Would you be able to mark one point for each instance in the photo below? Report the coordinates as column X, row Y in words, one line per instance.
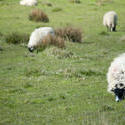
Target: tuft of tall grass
column 59, row 53
column 1, row 34
column 122, row 38
column 103, row 33
column 1, row 49
column 38, row 16
column 47, row 4
column 16, row 38
column 57, row 9
column 103, row 2
column 53, row 40
column 75, row 1
column 70, row 33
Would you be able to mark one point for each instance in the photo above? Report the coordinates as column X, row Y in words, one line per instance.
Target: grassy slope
column 51, row 89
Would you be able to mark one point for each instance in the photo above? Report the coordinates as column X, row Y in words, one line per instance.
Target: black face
column 31, row 49
column 119, row 93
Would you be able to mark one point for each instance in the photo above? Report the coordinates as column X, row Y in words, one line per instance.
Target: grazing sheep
column 116, row 77
column 28, row 2
column 110, row 20
column 38, row 35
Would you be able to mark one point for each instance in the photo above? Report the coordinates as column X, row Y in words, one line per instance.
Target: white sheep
column 110, row 20
column 38, row 35
column 116, row 77
column 28, row 2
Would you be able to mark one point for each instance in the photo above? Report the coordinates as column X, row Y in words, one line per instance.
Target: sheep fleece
column 116, row 73
column 110, row 19
column 28, row 2
column 38, row 35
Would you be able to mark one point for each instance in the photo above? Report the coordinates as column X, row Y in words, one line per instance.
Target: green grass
column 60, row 86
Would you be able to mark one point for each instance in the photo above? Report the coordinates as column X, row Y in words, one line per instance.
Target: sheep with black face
column 37, row 37
column 116, row 77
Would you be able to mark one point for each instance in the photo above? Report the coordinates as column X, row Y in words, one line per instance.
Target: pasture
column 60, row 86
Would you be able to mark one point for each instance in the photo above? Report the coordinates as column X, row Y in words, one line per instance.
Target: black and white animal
column 38, row 35
column 116, row 77
column 110, row 20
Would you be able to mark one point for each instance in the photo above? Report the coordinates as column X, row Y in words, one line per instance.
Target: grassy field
column 60, row 86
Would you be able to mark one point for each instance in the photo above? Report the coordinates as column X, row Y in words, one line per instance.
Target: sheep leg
column 114, row 28
column 117, row 99
column 37, row 51
column 111, row 28
column 107, row 28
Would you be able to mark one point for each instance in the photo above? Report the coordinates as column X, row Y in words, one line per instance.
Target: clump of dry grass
column 122, row 38
column 1, row 49
column 75, row 1
column 57, row 9
column 70, row 33
column 59, row 53
column 61, row 32
column 102, row 2
column 47, row 4
column 16, row 38
column 38, row 15
column 52, row 40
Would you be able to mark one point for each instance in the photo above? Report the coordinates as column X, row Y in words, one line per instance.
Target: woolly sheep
column 110, row 20
column 28, row 2
column 38, row 35
column 116, row 77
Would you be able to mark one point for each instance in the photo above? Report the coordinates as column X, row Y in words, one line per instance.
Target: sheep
column 116, row 77
column 28, row 2
column 38, row 35
column 110, row 20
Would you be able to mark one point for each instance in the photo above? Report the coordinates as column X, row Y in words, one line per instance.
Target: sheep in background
column 38, row 35
column 116, row 77
column 110, row 20
column 28, row 2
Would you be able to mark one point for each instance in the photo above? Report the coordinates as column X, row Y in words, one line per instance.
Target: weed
column 47, row 4
column 28, row 85
column 53, row 40
column 103, row 33
column 91, row 73
column 103, row 2
column 1, row 34
column 32, row 72
column 51, row 99
column 75, row 1
column 57, row 9
column 17, row 38
column 1, row 49
column 122, row 38
column 70, row 33
column 59, row 53
column 17, row 90
column 38, row 16
column 106, row 108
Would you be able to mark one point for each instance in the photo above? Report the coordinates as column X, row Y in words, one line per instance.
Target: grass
column 60, row 86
